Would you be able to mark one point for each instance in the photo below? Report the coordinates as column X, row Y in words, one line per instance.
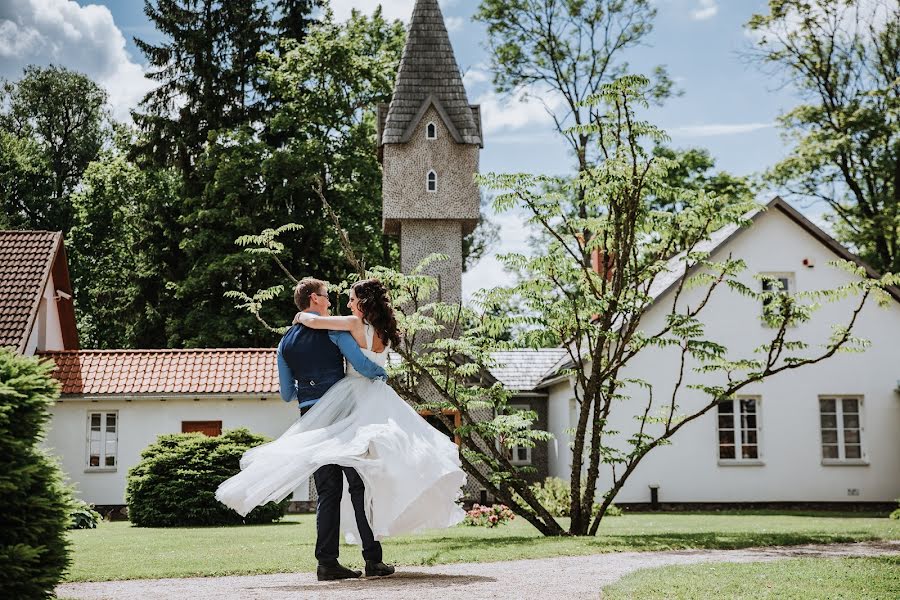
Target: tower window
column 431, row 131
column 432, row 181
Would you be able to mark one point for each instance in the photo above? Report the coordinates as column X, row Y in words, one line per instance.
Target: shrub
column 83, row 516
column 554, row 494
column 175, row 482
column 488, row 516
column 896, row 513
column 34, row 551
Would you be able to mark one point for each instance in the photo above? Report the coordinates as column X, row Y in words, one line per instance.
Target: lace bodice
column 379, row 358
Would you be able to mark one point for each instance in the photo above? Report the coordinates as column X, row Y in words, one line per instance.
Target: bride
column 411, row 471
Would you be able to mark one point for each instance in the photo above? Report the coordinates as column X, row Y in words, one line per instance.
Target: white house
column 829, row 432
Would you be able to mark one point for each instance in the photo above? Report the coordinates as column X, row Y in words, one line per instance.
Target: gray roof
column 524, row 369
column 429, row 75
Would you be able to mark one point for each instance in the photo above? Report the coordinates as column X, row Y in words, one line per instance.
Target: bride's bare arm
column 312, row 321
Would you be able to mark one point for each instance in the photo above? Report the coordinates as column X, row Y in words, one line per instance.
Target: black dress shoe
column 335, row 572
column 378, row 569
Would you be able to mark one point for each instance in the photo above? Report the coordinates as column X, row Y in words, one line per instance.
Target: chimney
column 603, row 263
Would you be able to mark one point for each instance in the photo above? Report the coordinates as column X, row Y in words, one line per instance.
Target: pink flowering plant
column 488, row 516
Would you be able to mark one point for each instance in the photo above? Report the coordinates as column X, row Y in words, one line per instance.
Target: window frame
column 432, row 175
column 513, row 460
column 104, row 441
column 431, row 131
column 790, row 288
column 842, row 459
column 738, row 459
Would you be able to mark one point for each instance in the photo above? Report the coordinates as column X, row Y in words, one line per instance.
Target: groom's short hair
column 306, row 288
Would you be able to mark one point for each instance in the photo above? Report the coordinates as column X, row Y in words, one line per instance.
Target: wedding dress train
column 410, row 469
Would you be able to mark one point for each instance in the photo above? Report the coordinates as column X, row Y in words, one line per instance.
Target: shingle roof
column 189, row 372
column 524, row 369
column 26, row 258
column 429, row 74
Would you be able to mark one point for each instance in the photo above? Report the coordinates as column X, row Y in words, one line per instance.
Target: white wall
column 792, row 469
column 140, row 421
column 46, row 334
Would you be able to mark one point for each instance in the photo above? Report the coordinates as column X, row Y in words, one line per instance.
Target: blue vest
column 315, row 360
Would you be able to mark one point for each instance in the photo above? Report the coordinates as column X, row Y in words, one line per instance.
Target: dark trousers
column 330, row 488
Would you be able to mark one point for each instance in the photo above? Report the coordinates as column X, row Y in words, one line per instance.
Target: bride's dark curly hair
column 375, row 304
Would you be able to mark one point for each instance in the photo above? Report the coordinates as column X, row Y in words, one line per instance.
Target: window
column 431, row 131
column 839, row 418
column 518, row 455
column 739, row 430
column 432, row 181
column 210, row 428
column 103, row 440
column 782, row 283
column 438, row 423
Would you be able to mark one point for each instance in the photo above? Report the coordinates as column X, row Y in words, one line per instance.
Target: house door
column 210, row 428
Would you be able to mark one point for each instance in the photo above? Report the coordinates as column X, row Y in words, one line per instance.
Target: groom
column 310, row 361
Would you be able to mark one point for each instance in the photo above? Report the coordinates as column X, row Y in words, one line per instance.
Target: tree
column 53, row 123
column 843, row 58
column 321, row 130
column 448, row 349
column 118, row 251
column 694, row 169
column 208, row 78
column 557, row 49
column 34, row 549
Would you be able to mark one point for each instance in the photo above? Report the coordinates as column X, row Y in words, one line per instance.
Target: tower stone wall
column 406, row 167
column 429, row 92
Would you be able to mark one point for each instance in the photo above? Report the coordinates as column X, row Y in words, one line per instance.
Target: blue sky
column 728, row 106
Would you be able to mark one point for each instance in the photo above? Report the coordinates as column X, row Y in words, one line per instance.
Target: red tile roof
column 164, row 372
column 26, row 258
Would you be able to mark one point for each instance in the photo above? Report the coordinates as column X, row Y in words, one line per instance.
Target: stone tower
column 429, row 140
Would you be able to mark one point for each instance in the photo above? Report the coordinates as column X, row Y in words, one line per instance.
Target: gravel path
column 565, row 577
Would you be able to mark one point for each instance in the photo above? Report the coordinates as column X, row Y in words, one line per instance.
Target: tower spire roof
column 429, row 75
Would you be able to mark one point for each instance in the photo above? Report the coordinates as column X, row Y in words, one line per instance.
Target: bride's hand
column 300, row 318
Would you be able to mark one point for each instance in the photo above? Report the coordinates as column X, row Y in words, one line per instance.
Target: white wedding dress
column 410, row 469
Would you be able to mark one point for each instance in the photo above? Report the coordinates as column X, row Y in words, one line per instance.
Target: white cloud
column 516, row 111
column 855, row 17
column 713, row 130
column 475, row 75
column 82, row 38
column 706, row 10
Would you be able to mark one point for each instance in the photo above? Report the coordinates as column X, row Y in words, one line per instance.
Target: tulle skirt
column 410, row 469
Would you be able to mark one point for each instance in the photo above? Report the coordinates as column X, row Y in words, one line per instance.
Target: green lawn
column 120, row 551
column 873, row 578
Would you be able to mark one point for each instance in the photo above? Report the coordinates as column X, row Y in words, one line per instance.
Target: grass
column 120, row 551
column 869, row 578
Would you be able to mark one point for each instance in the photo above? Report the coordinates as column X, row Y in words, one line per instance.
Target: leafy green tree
column 320, row 131
column 34, row 548
column 447, row 349
column 25, row 184
column 561, row 50
column 53, row 123
column 208, row 78
column 843, row 58
column 694, row 169
column 118, row 251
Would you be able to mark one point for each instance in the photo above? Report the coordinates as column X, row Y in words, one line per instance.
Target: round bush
column 34, row 551
column 554, row 494
column 175, row 482
column 83, row 516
